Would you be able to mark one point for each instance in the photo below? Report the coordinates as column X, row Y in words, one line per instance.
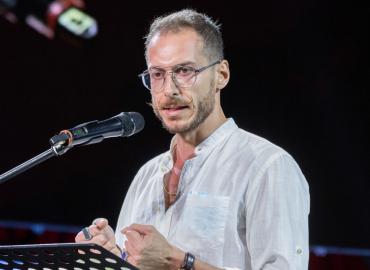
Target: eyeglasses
column 182, row 76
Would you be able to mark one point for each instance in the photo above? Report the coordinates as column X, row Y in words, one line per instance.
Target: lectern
column 67, row 256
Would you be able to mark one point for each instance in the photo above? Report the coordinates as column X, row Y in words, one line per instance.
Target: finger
column 142, row 229
column 91, row 234
column 134, row 238
column 94, row 230
column 109, row 246
column 83, row 236
column 80, row 237
column 101, row 223
column 100, row 239
column 131, row 250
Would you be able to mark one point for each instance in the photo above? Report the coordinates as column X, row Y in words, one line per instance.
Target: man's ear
column 223, row 75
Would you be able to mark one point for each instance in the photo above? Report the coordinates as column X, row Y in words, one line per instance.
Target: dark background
column 299, row 77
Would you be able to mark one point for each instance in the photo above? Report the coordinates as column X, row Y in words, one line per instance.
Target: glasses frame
column 173, row 77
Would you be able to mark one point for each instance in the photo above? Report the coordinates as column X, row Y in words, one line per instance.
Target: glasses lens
column 184, row 76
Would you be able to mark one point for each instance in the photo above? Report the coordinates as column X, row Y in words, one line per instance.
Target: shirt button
column 299, row 251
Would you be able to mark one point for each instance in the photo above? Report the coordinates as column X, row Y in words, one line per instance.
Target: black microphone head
column 133, row 122
column 138, row 120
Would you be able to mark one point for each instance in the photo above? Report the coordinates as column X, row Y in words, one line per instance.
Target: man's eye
column 156, row 74
column 184, row 71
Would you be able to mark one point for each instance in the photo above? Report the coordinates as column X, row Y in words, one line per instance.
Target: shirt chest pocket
column 201, row 228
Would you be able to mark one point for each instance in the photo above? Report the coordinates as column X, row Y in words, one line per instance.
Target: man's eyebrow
column 186, row 63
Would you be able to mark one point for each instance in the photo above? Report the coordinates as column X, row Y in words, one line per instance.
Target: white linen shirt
column 242, row 203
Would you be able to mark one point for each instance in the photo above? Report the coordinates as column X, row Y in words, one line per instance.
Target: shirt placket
column 163, row 220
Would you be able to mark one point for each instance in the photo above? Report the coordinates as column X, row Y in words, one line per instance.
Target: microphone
column 124, row 124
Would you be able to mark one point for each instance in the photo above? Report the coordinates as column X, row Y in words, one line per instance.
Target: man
column 220, row 198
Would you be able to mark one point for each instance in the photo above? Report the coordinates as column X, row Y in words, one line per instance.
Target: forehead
column 172, row 48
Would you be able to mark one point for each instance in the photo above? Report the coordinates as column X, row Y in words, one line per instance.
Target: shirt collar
column 216, row 137
column 211, row 141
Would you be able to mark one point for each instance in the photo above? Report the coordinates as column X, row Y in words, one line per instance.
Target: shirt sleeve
column 277, row 208
column 125, row 217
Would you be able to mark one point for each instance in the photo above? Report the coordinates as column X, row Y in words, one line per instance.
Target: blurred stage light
column 51, row 18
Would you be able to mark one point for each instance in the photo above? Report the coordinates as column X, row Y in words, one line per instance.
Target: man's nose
column 169, row 86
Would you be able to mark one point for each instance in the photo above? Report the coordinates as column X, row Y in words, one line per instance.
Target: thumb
column 100, row 223
column 142, row 229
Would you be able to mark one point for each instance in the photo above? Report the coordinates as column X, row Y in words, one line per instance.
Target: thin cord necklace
column 169, row 193
column 177, row 172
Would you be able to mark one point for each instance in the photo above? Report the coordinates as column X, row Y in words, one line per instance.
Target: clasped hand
column 101, row 234
column 146, row 248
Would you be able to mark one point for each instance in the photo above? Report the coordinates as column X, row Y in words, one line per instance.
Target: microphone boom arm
column 57, row 149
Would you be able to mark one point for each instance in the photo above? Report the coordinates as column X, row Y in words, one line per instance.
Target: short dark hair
column 202, row 24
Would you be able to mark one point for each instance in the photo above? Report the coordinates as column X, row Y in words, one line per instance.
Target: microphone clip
column 60, row 143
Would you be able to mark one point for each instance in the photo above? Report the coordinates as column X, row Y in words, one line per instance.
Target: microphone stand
column 59, row 145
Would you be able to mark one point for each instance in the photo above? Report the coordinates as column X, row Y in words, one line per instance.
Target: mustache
column 175, row 101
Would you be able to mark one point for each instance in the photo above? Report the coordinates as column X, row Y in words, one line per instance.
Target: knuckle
column 92, row 229
column 97, row 240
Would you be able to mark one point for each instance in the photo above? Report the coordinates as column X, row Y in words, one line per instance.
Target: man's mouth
column 174, row 108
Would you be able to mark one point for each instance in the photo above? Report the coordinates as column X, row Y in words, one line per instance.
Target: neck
column 186, row 142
